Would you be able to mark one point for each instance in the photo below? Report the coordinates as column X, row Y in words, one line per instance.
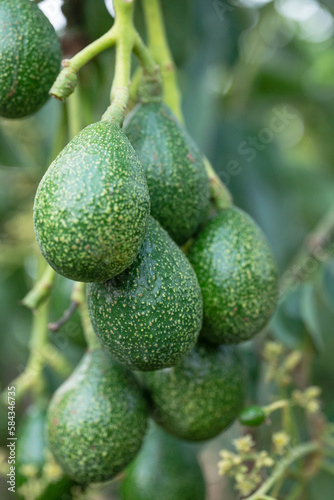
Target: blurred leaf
column 310, row 315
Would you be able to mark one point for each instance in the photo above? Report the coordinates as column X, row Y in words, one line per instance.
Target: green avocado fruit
column 92, row 205
column 149, row 317
column 97, row 419
column 201, row 396
column 174, row 167
column 30, row 56
column 238, row 277
column 165, row 469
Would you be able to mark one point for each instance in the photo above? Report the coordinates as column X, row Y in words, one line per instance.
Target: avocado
column 201, row 396
column 165, row 469
column 92, row 205
column 174, row 167
column 97, row 419
column 149, row 316
column 30, row 56
column 238, row 277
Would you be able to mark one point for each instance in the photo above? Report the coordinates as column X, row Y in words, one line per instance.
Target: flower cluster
column 308, row 399
column 247, row 466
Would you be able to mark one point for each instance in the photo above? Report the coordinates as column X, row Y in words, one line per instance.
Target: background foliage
column 257, row 85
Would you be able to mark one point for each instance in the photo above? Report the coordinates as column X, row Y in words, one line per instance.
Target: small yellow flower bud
column 244, row 444
column 280, row 441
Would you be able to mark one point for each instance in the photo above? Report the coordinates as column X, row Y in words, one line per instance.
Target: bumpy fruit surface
column 201, row 396
column 30, row 56
column 92, row 205
column 165, row 469
column 238, row 277
column 96, row 419
column 174, row 167
column 149, row 317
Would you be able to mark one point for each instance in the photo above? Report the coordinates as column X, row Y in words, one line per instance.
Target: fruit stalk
column 295, row 454
column 79, row 297
column 127, row 41
column 67, row 78
column 159, row 48
column 41, row 291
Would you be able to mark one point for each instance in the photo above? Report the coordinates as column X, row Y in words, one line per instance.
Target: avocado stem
column 79, row 297
column 159, row 48
column 220, row 194
column 41, row 352
column 295, row 454
column 127, row 41
column 41, row 290
column 67, row 80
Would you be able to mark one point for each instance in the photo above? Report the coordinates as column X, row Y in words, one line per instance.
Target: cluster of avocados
column 111, row 211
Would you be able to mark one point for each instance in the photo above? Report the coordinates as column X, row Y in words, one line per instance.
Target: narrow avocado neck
column 150, row 88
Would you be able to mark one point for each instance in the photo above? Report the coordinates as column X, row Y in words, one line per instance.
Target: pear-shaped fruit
column 96, row 419
column 238, row 277
column 30, row 56
column 165, row 469
column 92, row 205
column 174, row 167
column 149, row 317
column 202, row 395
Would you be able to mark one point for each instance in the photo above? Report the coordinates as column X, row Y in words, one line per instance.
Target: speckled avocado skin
column 92, row 205
column 30, row 56
column 201, row 396
column 174, row 167
column 149, row 317
column 97, row 419
column 165, row 469
column 238, row 277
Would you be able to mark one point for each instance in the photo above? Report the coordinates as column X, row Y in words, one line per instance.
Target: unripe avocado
column 97, row 419
column 92, row 205
column 149, row 317
column 238, row 277
column 30, row 56
column 174, row 167
column 201, row 396
column 165, row 469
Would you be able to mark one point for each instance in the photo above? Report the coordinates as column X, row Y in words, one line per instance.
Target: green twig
column 41, row 291
column 67, row 78
column 220, row 194
column 295, row 454
column 30, row 378
column 127, row 41
column 79, row 296
column 159, row 48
